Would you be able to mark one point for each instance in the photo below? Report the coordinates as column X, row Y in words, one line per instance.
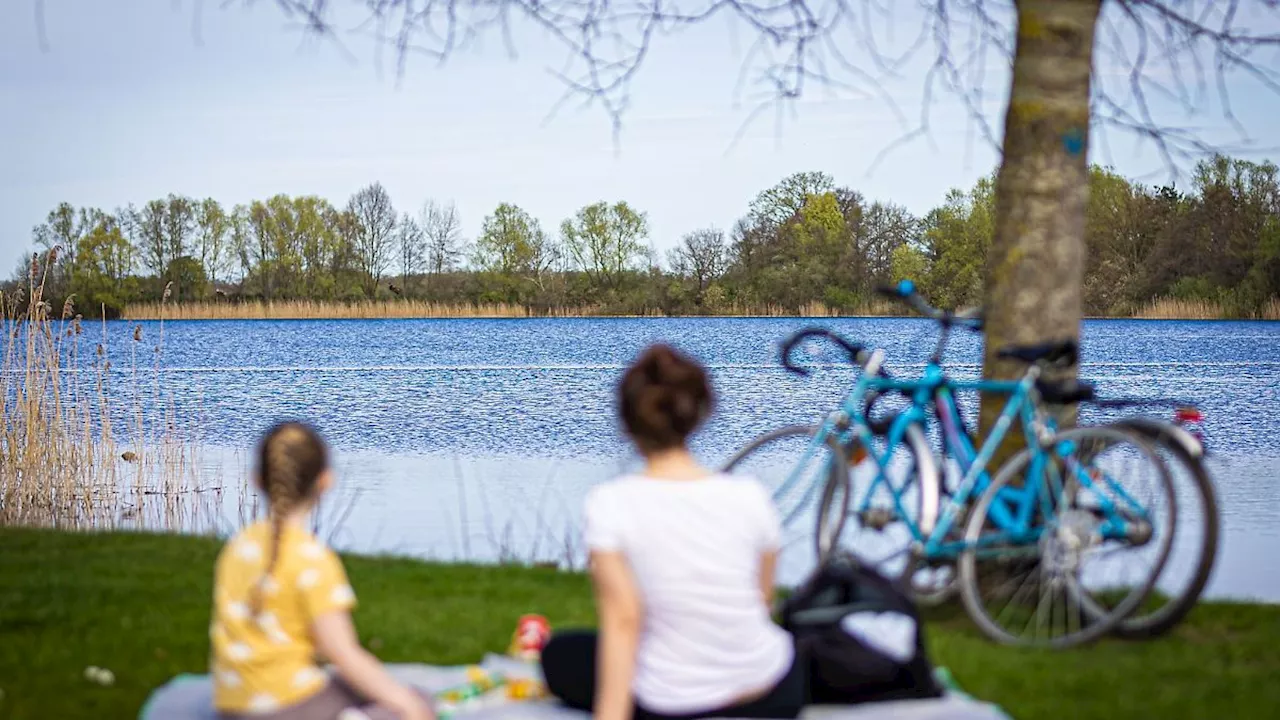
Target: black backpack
column 860, row 636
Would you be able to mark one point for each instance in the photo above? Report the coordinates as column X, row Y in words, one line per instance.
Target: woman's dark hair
column 663, row 397
column 291, row 458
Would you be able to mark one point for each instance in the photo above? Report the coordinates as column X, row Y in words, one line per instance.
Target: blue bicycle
column 1186, row 571
column 1026, row 549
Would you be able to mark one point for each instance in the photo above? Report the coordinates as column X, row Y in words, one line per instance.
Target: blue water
column 547, row 386
column 476, row 439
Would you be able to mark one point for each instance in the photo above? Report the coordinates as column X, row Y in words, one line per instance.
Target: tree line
column 805, row 240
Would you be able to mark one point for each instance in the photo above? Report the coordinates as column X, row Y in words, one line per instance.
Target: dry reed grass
column 327, row 310
column 75, row 450
column 875, row 308
column 421, row 309
column 1168, row 308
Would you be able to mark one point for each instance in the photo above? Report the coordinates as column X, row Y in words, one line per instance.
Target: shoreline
column 128, row 317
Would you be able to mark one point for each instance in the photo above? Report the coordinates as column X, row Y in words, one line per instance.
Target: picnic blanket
column 190, row 697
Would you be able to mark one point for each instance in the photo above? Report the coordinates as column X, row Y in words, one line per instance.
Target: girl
column 682, row 560
column 281, row 597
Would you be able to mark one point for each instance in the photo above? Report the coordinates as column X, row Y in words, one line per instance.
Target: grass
column 408, row 308
column 139, row 605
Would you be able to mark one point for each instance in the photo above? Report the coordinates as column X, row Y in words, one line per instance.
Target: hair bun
column 664, row 396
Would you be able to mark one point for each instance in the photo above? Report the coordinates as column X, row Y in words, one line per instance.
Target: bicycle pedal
column 877, row 518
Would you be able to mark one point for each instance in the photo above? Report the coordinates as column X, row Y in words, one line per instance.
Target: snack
column 525, row 689
column 532, row 634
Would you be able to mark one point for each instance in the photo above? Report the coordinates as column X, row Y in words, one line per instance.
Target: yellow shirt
column 267, row 662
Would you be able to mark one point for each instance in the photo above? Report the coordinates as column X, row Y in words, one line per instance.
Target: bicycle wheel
column 1086, row 509
column 796, row 472
column 880, row 534
column 1195, row 542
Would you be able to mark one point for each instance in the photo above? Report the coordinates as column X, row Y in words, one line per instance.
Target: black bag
column 860, row 636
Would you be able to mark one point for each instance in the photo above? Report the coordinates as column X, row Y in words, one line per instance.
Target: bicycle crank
column 877, row 518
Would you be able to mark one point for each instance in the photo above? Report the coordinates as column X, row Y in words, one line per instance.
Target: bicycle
column 1021, row 516
column 1183, row 453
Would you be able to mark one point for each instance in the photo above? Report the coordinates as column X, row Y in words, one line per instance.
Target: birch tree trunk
column 1035, row 268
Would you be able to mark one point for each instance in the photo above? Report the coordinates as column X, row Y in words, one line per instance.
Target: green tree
column 102, row 274
column 179, row 222
column 1120, row 233
column 606, row 241
column 910, row 263
column 261, row 248
column 212, row 228
column 957, row 239
column 188, row 280
column 512, row 243
column 881, row 229
column 778, row 205
column 148, row 226
column 63, row 228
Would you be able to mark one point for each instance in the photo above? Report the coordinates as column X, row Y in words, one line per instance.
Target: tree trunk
column 1035, row 268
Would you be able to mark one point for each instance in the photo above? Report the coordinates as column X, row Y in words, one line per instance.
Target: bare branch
column 1170, row 51
column 42, row 33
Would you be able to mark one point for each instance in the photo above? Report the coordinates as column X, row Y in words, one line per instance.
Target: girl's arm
column 768, row 566
column 618, row 602
column 335, row 637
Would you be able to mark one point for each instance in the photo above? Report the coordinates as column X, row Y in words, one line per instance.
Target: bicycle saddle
column 1064, row 393
column 1065, row 352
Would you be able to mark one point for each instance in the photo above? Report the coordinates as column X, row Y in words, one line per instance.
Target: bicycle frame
column 1013, row 509
column 1013, row 512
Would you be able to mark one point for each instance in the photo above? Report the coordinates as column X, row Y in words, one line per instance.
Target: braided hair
column 291, row 458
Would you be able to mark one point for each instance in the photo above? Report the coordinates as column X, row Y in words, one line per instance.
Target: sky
column 123, row 102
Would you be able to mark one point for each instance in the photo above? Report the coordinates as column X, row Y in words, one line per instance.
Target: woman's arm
column 335, row 637
column 618, row 602
column 768, row 567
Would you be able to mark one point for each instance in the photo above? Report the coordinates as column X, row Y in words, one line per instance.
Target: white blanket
column 190, row 697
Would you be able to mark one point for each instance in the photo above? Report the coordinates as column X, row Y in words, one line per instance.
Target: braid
column 291, row 459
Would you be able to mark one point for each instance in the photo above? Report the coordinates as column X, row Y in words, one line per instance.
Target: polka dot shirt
column 267, row 661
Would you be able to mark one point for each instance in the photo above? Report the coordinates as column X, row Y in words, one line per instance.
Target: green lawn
column 139, row 605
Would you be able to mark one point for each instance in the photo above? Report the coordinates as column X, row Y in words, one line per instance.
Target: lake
column 476, row 439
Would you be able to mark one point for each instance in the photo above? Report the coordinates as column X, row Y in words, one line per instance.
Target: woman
column 281, row 597
column 682, row 560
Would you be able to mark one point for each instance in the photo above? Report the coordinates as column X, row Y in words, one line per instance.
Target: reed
column 325, row 310
column 875, row 308
column 421, row 309
column 1168, row 308
column 78, row 449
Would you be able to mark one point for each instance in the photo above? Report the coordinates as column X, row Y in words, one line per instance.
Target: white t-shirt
column 694, row 548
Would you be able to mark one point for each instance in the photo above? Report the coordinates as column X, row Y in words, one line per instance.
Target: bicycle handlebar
column 857, row 353
column 906, row 293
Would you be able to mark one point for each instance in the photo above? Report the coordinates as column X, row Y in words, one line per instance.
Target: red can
column 532, row 634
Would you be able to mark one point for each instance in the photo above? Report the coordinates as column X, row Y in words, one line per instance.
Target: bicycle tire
column 928, row 507
column 924, row 473
column 1186, row 452
column 1099, row 622
column 825, row 533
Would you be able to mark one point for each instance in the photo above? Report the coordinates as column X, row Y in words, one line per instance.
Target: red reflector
column 1188, row 415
